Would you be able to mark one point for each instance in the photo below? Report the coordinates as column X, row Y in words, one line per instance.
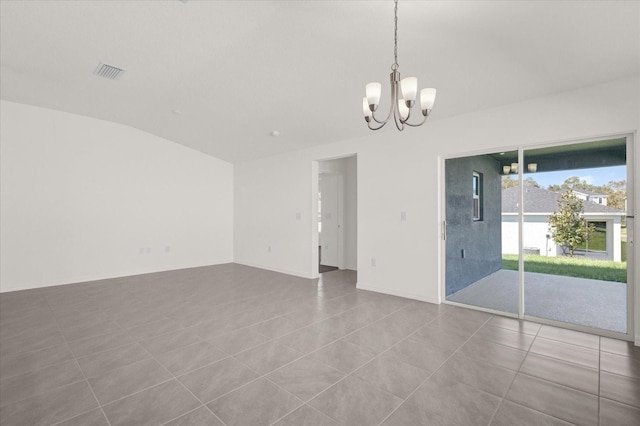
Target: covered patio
column 593, row 303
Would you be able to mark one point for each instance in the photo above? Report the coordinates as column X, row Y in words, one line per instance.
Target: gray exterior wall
column 473, row 247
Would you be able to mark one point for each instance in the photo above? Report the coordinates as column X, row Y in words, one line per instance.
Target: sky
column 596, row 177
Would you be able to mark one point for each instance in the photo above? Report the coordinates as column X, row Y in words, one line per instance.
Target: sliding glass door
column 542, row 233
column 574, row 233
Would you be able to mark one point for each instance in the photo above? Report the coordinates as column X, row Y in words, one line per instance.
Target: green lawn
column 569, row 267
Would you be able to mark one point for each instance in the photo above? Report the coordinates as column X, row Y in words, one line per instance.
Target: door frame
column 633, row 265
column 315, row 174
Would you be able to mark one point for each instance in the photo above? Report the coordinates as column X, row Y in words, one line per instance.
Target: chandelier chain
column 395, row 65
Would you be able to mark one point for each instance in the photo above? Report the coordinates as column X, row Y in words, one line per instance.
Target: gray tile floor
column 234, row 345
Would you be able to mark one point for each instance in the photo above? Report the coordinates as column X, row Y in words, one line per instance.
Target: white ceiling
column 239, row 69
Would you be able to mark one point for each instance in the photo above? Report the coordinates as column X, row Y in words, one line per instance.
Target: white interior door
column 329, row 210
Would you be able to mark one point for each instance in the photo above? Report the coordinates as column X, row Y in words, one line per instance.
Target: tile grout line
column 549, row 381
column 44, row 392
column 92, row 392
column 305, row 402
column 174, row 377
column 42, row 367
column 75, row 359
column 152, row 356
column 504, row 397
column 437, row 369
column 78, row 415
column 352, row 373
column 284, row 315
column 189, row 412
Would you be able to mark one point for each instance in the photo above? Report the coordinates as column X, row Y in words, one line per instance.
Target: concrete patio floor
column 593, row 303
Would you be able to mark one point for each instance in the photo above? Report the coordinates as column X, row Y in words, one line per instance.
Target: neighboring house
column 539, row 203
column 592, row 197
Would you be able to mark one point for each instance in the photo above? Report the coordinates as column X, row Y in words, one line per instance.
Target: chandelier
column 403, row 100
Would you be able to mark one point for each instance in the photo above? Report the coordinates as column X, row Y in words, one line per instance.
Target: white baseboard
column 86, row 278
column 395, row 292
column 280, row 270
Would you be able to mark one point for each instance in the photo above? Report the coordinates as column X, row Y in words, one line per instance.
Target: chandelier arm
column 398, row 119
column 376, row 128
column 408, row 117
column 394, row 77
column 373, row 115
column 416, row 124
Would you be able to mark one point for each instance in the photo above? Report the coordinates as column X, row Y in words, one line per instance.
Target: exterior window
column 477, row 196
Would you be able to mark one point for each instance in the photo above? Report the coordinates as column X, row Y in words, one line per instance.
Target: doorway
column 330, row 221
column 542, row 234
column 337, row 214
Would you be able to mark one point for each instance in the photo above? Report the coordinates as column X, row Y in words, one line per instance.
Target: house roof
column 540, row 200
column 585, row 192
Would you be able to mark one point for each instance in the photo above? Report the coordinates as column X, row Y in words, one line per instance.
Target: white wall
column 400, row 172
column 536, row 229
column 80, row 197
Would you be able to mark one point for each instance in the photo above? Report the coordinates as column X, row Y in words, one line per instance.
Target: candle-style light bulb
column 366, row 110
column 427, row 98
column 403, row 109
column 373, row 91
column 409, row 88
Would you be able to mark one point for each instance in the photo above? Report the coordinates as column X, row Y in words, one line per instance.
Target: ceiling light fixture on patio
column 400, row 106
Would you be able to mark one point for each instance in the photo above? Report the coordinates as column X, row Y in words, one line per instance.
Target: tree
column 616, row 191
column 568, row 228
column 509, row 182
column 572, row 182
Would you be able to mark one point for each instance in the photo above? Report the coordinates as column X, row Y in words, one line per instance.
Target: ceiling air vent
column 108, row 71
